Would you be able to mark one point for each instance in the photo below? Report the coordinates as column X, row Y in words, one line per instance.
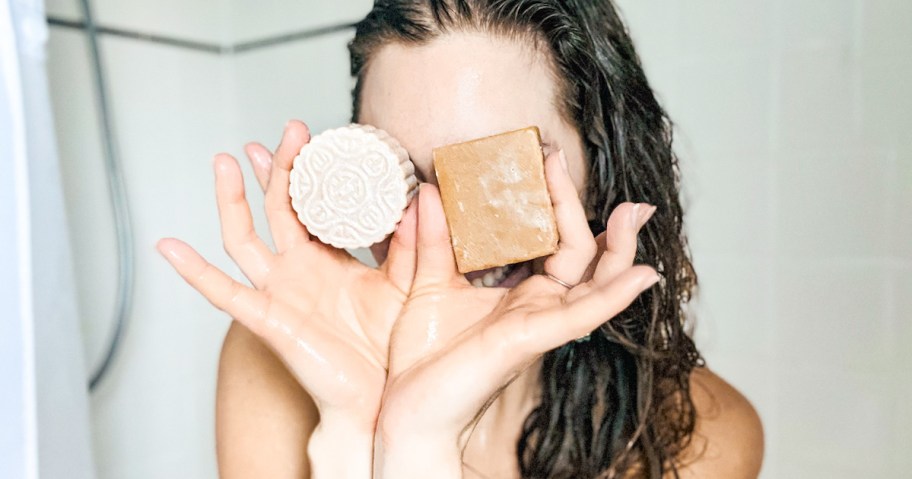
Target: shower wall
column 792, row 120
column 173, row 109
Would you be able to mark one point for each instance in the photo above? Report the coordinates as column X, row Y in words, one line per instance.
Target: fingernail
column 264, row 161
column 166, row 249
column 220, row 166
column 645, row 214
column 652, row 280
column 635, row 216
column 563, row 160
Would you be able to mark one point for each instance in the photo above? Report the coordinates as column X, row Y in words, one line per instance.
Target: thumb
column 436, row 262
column 400, row 258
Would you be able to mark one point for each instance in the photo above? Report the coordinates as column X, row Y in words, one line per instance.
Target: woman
column 410, row 371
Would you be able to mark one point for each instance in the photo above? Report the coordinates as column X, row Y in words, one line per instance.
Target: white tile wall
column 727, row 97
column 885, row 104
column 173, row 109
column 834, row 316
column 839, row 423
column 793, row 120
column 833, row 203
column 900, row 204
column 817, row 103
column 88, row 209
column 730, row 204
column 735, row 320
column 657, row 28
column 723, row 27
column 256, row 19
column 817, row 22
column 885, row 27
column 198, row 20
column 68, row 9
column 222, row 22
column 153, row 414
column 304, row 80
column 902, row 434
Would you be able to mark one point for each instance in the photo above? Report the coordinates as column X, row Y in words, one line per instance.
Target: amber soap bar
column 496, row 200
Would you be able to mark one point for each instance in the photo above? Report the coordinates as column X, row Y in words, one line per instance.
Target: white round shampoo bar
column 350, row 185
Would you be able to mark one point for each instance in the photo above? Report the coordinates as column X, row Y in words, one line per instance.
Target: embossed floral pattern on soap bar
column 350, row 185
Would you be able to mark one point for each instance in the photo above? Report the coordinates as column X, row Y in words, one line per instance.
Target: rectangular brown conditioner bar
column 496, row 200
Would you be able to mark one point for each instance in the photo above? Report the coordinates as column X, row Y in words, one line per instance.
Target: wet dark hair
column 619, row 403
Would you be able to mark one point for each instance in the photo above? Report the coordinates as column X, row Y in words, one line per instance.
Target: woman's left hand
column 455, row 346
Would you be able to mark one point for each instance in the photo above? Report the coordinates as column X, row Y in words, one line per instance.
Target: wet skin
column 366, row 357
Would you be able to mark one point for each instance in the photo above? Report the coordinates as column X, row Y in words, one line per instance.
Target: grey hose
column 118, row 194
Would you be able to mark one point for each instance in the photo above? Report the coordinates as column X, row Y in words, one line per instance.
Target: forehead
column 458, row 87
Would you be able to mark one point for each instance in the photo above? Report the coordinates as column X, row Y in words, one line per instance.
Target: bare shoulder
column 263, row 416
column 728, row 437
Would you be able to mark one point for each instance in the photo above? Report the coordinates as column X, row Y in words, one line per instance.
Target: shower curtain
column 44, row 408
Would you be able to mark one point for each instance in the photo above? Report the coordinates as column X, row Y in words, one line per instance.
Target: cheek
column 379, row 250
column 425, row 171
column 579, row 168
column 578, row 175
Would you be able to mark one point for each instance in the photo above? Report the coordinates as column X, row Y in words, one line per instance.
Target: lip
column 520, row 272
column 517, row 273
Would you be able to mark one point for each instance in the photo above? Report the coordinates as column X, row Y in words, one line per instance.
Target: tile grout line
column 207, row 47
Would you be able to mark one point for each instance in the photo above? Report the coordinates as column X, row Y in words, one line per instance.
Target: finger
column 436, row 263
column 261, row 160
column 283, row 221
column 238, row 234
column 241, row 302
column 548, row 329
column 400, row 261
column 600, row 242
column 624, row 224
column 576, row 246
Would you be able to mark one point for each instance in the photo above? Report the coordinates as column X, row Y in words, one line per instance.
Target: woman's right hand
column 325, row 314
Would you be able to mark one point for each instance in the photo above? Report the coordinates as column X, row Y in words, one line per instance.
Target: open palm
column 455, row 346
column 325, row 314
